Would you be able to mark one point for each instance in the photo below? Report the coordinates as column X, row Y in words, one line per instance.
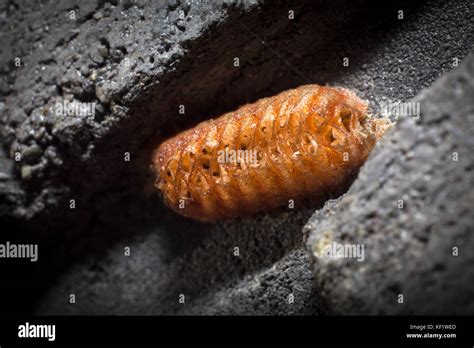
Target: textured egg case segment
column 299, row 143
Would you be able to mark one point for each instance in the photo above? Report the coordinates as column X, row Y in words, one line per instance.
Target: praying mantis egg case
column 297, row 144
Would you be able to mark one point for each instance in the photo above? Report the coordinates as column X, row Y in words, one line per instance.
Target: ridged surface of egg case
column 300, row 143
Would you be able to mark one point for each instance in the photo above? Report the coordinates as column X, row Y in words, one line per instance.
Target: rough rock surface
column 412, row 207
column 139, row 61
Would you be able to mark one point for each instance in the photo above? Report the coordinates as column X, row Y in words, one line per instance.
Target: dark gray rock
column 139, row 61
column 286, row 288
column 412, row 209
